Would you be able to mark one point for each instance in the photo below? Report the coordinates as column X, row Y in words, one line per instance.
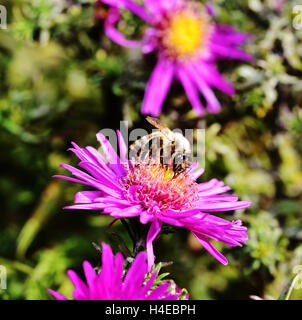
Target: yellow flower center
column 186, row 34
column 158, row 188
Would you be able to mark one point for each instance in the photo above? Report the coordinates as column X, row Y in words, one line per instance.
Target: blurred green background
column 62, row 80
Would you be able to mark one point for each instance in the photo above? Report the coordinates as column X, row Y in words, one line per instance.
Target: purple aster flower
column 111, row 284
column 156, row 195
column 188, row 44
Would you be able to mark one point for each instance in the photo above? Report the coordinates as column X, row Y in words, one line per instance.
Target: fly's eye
column 178, row 158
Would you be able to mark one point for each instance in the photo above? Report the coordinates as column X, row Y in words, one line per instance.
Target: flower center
column 157, row 188
column 186, row 33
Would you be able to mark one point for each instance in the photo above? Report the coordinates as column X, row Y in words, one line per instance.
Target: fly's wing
column 146, row 147
column 161, row 127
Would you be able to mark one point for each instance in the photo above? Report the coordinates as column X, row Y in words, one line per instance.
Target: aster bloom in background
column 188, row 44
column 280, row 4
column 111, row 284
column 156, row 195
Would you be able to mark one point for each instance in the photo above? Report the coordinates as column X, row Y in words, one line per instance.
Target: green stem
column 125, row 224
column 292, row 286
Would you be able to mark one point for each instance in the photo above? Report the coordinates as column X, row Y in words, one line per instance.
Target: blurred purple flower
column 188, row 45
column 99, row 11
column 155, row 194
column 280, row 4
column 110, row 283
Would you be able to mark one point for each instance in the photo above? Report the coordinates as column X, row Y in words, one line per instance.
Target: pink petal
column 149, row 284
column 172, row 221
column 136, row 274
column 86, row 155
column 158, row 87
column 112, row 33
column 214, row 191
column 157, row 7
column 210, row 8
column 211, row 249
column 207, row 206
column 71, row 179
column 152, row 234
column 80, row 286
column 214, row 78
column 102, row 175
column 110, row 153
column 56, row 295
column 133, row 211
column 191, row 91
column 122, row 146
column 106, row 276
column 91, row 181
column 132, row 6
column 89, row 274
column 213, row 104
column 86, row 206
column 118, row 272
column 160, row 291
column 230, row 52
column 146, row 217
column 179, row 214
column 213, row 183
column 87, row 196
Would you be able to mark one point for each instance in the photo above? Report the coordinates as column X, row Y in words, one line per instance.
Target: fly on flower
column 188, row 44
column 152, row 192
column 164, row 147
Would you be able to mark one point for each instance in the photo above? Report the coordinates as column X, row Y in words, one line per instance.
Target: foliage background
column 62, row 80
